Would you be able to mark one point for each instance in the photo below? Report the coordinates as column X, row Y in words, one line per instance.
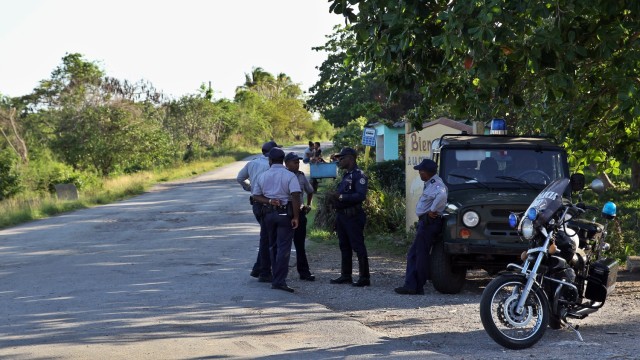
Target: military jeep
column 488, row 177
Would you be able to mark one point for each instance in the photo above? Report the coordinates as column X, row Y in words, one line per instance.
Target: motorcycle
column 564, row 275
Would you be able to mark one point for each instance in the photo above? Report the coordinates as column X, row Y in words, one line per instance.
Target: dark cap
column 276, row 153
column 266, row 147
column 292, row 156
column 427, row 165
column 347, row 151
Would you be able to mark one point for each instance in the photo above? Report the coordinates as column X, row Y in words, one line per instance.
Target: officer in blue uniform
column 292, row 162
column 350, row 218
column 429, row 209
column 251, row 171
column 274, row 188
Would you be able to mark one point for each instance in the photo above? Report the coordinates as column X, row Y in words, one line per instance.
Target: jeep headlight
column 470, row 219
column 527, row 229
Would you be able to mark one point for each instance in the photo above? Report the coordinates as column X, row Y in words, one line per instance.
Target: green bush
column 40, row 176
column 385, row 204
column 390, row 175
column 9, row 179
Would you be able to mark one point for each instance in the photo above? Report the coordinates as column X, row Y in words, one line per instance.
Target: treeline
column 80, row 125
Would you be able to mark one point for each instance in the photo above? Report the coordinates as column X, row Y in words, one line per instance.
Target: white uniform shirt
column 433, row 198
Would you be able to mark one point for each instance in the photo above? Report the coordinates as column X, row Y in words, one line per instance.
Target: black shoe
column 343, row 279
column 265, row 279
column 406, row 291
column 309, row 277
column 362, row 282
column 282, row 287
column 255, row 273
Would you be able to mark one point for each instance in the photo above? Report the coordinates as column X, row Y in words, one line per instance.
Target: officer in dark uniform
column 429, row 210
column 251, row 171
column 350, row 218
column 292, row 162
column 274, row 188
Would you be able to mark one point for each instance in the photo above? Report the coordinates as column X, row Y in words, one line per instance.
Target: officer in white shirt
column 429, row 209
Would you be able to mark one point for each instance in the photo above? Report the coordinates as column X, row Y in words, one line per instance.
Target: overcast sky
column 176, row 45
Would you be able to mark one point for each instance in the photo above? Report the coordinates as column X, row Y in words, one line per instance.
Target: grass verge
column 26, row 208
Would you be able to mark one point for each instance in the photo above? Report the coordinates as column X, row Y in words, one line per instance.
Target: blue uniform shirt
column 251, row 171
column 276, row 183
column 433, row 198
column 305, row 186
column 353, row 188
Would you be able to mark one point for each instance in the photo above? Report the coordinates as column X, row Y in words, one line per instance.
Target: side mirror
column 597, row 185
column 577, row 182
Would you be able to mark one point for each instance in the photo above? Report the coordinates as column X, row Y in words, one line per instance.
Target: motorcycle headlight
column 470, row 219
column 527, row 229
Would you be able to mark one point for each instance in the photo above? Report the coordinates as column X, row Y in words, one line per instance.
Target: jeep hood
column 473, row 197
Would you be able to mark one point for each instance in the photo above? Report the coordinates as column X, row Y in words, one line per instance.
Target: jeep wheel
column 445, row 278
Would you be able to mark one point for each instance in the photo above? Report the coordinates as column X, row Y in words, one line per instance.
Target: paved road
column 163, row 276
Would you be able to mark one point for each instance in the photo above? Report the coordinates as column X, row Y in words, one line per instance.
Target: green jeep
column 488, row 177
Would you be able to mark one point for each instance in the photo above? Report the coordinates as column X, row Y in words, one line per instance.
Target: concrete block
column 66, row 191
column 633, row 263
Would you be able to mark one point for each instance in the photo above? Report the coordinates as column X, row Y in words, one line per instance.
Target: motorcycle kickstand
column 575, row 329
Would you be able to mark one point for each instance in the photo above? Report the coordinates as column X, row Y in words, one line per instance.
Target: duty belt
column 282, row 209
column 349, row 210
column 426, row 217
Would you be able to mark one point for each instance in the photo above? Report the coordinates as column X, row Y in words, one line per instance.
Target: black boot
column 343, row 279
column 363, row 265
column 345, row 276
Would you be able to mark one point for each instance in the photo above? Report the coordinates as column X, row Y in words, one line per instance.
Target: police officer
column 350, row 218
column 429, row 210
column 274, row 188
column 292, row 162
column 251, row 171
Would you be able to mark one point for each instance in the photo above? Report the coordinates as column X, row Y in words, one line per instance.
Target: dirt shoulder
column 450, row 324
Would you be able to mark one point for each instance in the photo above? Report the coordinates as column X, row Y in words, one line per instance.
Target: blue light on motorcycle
column 513, row 220
column 532, row 214
column 609, row 210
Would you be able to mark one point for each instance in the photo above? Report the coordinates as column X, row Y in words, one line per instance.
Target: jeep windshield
column 491, row 167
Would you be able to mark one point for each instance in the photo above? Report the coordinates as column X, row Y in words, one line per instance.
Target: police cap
column 427, row 165
column 292, row 156
column 266, row 147
column 276, row 154
column 347, row 151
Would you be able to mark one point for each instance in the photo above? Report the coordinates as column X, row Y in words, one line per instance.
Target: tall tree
column 565, row 67
column 348, row 89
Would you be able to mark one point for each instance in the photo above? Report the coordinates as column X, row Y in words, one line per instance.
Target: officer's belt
column 351, row 210
column 282, row 209
column 426, row 217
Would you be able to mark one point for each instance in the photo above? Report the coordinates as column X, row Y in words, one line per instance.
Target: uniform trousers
column 299, row 242
column 280, row 233
column 262, row 265
column 418, row 269
column 350, row 229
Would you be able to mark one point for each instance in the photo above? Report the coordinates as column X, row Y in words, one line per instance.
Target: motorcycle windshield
column 548, row 201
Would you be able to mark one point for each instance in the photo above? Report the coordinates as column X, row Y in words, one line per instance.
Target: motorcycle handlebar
column 586, row 207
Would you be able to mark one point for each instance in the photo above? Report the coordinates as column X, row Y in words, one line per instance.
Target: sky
column 175, row 45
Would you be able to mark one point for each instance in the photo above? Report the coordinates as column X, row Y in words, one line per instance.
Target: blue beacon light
column 498, row 127
column 532, row 214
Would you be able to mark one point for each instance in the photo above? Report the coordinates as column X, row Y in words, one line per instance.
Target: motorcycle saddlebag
column 602, row 279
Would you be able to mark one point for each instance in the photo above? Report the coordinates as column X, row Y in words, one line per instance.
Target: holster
column 290, row 209
column 251, row 201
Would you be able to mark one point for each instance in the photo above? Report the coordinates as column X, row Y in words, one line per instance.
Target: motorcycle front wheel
column 500, row 318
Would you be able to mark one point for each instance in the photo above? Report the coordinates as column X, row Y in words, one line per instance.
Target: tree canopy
column 566, row 68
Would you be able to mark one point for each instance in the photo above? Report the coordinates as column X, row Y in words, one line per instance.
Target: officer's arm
column 439, row 202
column 307, row 188
column 242, row 177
